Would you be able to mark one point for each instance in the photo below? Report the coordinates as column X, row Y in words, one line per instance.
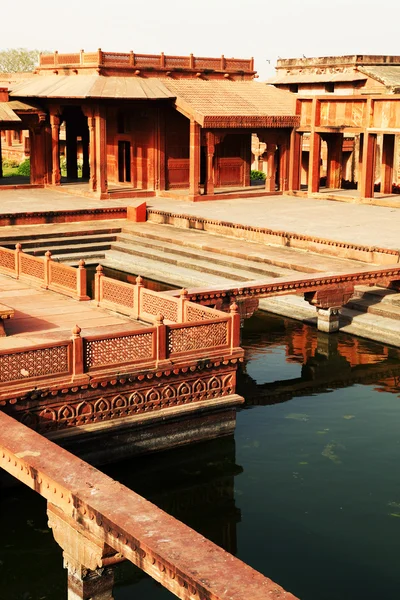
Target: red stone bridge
column 99, row 522
column 328, row 292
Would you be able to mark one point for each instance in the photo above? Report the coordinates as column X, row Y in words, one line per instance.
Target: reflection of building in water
column 328, row 361
column 196, row 487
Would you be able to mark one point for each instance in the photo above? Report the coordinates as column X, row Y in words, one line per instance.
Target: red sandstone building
column 148, row 124
column 342, row 75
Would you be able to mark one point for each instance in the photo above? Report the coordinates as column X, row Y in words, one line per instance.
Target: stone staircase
column 191, row 258
column 67, row 242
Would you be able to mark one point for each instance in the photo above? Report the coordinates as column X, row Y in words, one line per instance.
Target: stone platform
column 109, row 378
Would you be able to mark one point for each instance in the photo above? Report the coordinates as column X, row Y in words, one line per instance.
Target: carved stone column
column 87, row 559
column 92, row 153
column 209, row 183
column 85, row 154
column 194, row 160
column 387, row 163
column 334, row 167
column 101, row 151
column 85, row 584
column 283, row 167
column 368, row 166
column 1, row 159
column 295, row 160
column 55, row 149
column 271, row 168
column 71, row 147
column 328, row 302
column 314, row 166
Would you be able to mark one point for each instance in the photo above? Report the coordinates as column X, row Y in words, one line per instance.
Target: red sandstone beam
column 293, row 285
column 183, row 561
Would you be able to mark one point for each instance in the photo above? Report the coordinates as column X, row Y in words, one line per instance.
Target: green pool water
column 307, row 492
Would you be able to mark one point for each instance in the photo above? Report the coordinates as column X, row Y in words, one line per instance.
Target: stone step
column 382, row 309
column 196, row 264
column 256, row 268
column 40, row 245
column 277, row 256
column 17, row 234
column 81, row 249
column 362, row 324
column 90, row 258
column 151, row 268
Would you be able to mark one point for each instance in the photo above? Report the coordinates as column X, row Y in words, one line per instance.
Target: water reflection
column 308, row 492
column 285, row 358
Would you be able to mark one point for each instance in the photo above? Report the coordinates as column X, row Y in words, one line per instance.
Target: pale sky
column 236, row 28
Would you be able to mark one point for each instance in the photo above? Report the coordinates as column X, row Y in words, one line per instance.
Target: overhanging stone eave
column 250, row 122
column 187, row 111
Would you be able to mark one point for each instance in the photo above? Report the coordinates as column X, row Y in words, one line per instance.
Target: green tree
column 15, row 60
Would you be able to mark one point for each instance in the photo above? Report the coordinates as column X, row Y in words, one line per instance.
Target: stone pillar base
column 85, row 584
column 328, row 319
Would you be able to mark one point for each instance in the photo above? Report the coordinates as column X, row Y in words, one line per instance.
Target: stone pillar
column 101, row 151
column 334, row 167
column 37, row 136
column 194, row 166
column 85, row 153
column 328, row 319
column 55, row 149
column 368, row 166
column 92, row 153
column 387, row 163
column 314, row 166
column 159, row 155
column 1, row 159
column 209, row 183
column 328, row 302
column 9, row 137
column 85, row 584
column 295, row 160
column 72, row 148
column 283, row 167
column 271, row 168
column 88, row 560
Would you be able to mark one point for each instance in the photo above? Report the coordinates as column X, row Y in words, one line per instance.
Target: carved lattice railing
column 154, row 61
column 38, row 362
column 43, row 271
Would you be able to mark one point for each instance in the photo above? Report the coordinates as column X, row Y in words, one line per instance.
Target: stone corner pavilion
column 141, row 125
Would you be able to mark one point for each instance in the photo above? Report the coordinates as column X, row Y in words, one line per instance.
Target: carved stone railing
column 39, row 362
column 44, row 272
column 206, row 333
column 157, row 62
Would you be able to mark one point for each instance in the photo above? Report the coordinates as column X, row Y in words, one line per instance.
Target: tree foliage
column 15, row 60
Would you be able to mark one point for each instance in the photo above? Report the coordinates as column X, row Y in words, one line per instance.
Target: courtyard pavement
column 358, row 224
column 338, row 221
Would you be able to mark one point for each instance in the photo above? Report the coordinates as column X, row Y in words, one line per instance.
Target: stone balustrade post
column 161, row 334
column 98, row 288
column 181, row 306
column 47, row 259
column 138, row 297
column 81, row 282
column 77, row 352
column 235, row 325
column 18, row 250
